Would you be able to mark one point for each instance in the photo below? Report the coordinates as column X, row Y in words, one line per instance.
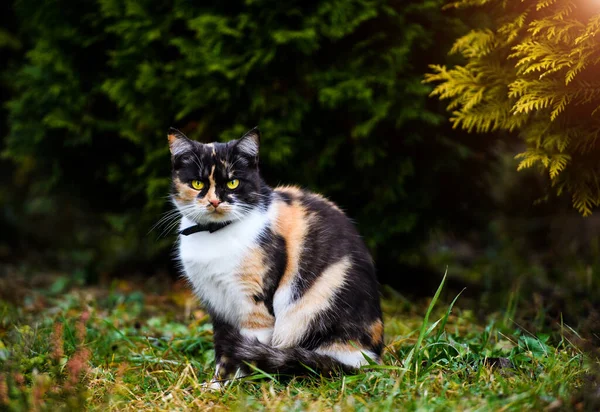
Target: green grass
column 142, row 345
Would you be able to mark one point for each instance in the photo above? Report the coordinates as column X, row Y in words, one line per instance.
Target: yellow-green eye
column 232, row 184
column 198, row 184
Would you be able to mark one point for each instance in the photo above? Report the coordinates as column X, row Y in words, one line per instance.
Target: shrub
column 532, row 69
column 335, row 86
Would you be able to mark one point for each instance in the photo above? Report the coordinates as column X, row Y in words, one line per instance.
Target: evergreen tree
column 335, row 86
column 533, row 69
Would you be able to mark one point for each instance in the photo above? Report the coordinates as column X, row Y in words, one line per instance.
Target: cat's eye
column 198, row 184
column 232, row 184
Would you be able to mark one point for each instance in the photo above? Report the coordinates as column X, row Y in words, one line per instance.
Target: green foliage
column 334, row 85
column 533, row 70
column 153, row 351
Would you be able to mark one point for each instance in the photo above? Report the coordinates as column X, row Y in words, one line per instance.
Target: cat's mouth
column 212, row 217
column 204, row 214
column 219, row 214
column 220, row 210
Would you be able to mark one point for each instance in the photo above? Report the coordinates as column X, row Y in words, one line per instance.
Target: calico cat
column 286, row 278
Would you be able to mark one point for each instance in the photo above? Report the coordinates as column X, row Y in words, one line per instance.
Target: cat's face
column 216, row 182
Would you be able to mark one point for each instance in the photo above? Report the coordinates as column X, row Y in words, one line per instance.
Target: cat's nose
column 214, row 202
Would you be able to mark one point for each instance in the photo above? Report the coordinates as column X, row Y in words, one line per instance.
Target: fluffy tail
column 287, row 361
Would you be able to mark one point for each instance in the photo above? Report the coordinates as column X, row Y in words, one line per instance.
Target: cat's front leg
column 223, row 376
column 257, row 326
column 226, row 339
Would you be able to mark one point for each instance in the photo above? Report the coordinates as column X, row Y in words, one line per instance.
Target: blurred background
column 89, row 89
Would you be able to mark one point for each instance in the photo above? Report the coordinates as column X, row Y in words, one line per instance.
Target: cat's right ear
column 178, row 142
column 248, row 144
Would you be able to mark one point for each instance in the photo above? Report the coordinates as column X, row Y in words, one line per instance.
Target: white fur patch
column 263, row 335
column 180, row 145
column 293, row 318
column 282, row 300
column 211, row 260
column 249, row 145
column 353, row 358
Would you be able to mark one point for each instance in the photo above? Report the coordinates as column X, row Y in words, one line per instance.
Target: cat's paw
column 213, row 386
column 218, row 383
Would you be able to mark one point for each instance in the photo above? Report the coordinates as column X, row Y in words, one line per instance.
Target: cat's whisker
column 238, row 215
column 165, row 220
column 162, row 221
column 172, row 224
column 171, row 219
column 170, row 228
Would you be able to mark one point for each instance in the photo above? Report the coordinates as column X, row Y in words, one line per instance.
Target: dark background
column 89, row 90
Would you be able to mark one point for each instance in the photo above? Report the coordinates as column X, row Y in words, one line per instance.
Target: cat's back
column 329, row 274
column 316, row 225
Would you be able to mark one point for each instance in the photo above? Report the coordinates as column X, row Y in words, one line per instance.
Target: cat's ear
column 248, row 144
column 178, row 142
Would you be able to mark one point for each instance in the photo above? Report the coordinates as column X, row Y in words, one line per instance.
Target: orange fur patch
column 185, row 193
column 342, row 347
column 376, row 332
column 260, row 318
column 251, row 274
column 292, row 224
column 212, row 187
column 253, row 271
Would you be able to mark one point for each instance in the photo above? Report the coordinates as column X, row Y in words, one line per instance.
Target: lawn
column 147, row 344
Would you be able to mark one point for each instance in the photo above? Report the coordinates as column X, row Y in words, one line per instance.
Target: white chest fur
column 211, row 260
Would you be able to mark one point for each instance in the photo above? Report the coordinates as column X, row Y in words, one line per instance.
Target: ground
column 142, row 344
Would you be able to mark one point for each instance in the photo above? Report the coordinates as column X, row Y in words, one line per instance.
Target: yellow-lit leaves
column 555, row 163
column 476, row 43
column 533, row 70
column 585, row 197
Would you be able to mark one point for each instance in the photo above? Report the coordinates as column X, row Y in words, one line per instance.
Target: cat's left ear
column 178, row 142
column 248, row 144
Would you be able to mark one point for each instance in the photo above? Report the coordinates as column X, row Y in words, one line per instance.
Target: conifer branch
column 546, row 90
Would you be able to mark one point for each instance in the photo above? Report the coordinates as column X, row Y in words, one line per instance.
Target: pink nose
column 214, row 202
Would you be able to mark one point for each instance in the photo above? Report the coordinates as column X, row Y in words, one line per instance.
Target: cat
column 287, row 280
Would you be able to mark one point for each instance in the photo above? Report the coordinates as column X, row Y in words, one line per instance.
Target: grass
column 146, row 345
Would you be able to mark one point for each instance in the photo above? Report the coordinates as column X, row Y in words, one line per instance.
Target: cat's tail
column 299, row 360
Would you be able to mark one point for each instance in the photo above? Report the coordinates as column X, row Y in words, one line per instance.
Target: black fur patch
column 286, row 197
column 275, row 248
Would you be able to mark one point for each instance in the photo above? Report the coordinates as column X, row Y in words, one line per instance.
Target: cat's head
column 215, row 182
